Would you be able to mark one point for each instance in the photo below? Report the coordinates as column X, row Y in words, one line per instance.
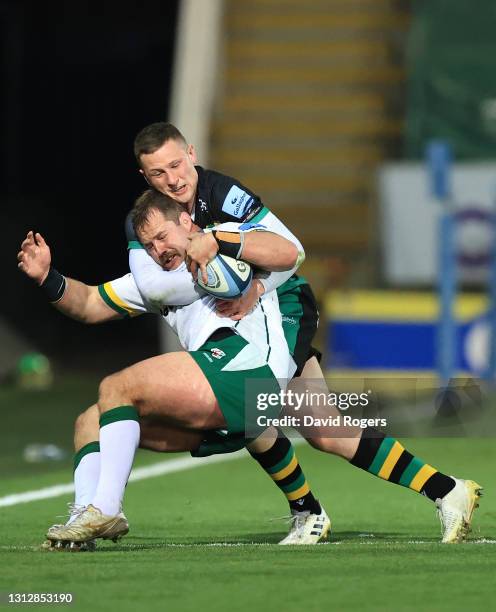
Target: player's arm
column 235, row 203
column 271, row 280
column 156, row 285
column 271, row 251
column 83, row 303
column 71, row 297
column 249, row 242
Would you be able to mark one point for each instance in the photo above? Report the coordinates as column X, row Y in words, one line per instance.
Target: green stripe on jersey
column 260, row 215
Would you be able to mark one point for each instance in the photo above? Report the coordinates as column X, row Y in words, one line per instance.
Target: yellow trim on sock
column 287, row 470
column 303, row 490
column 422, row 477
column 391, row 460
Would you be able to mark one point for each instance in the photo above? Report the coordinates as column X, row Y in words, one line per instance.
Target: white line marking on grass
column 141, row 473
column 138, row 547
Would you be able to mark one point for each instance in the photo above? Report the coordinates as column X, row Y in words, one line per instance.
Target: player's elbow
column 294, row 257
column 298, row 256
column 287, row 258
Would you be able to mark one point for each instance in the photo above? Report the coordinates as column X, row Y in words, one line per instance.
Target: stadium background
column 306, row 103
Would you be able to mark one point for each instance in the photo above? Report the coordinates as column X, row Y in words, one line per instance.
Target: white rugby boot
column 89, row 525
column 456, row 508
column 307, row 528
column 53, row 544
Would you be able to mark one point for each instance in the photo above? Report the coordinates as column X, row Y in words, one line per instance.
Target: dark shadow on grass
column 257, row 539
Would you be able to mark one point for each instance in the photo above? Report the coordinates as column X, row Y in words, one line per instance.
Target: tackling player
column 167, row 162
column 135, row 387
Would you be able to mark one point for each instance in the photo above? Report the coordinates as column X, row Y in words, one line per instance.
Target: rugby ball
column 228, row 278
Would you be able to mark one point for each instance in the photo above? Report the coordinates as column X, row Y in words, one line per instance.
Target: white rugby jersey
column 157, row 284
column 195, row 323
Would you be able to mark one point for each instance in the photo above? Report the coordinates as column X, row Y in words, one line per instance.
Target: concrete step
column 320, row 240
column 275, row 103
column 238, row 51
column 255, row 77
column 318, row 5
column 308, row 127
column 306, row 183
column 349, row 21
column 336, row 216
column 300, row 156
column 307, row 114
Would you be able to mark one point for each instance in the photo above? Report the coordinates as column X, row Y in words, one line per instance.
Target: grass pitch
column 203, row 538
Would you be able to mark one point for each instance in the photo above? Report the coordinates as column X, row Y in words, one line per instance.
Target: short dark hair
column 151, row 199
column 153, row 136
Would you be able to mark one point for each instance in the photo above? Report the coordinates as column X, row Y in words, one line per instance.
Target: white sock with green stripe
column 119, row 439
column 86, row 474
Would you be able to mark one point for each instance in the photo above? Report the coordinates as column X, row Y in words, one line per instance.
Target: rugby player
column 241, row 354
column 389, row 454
column 168, row 163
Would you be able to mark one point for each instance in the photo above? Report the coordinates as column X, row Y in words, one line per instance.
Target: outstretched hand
column 34, row 257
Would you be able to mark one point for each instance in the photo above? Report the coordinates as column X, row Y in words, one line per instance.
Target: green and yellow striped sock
column 387, row 458
column 282, row 466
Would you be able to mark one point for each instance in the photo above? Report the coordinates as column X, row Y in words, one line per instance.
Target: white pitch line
column 378, row 544
column 142, row 473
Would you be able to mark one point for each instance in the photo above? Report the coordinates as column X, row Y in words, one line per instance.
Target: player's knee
column 111, row 392
column 82, row 419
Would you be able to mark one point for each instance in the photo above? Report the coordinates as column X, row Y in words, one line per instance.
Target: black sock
column 281, row 464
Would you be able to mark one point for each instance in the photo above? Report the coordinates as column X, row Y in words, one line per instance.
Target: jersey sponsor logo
column 249, row 226
column 217, row 353
column 203, row 205
column 237, row 202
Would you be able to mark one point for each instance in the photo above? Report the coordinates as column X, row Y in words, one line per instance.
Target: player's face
column 164, row 240
column 171, row 170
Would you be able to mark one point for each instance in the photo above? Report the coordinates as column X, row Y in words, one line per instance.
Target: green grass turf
column 384, row 551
